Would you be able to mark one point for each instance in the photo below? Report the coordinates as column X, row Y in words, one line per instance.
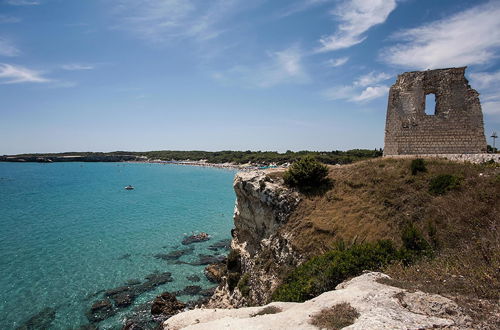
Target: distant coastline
column 221, row 159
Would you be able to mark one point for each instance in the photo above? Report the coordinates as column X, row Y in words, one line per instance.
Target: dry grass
column 336, row 317
column 268, row 310
column 375, row 199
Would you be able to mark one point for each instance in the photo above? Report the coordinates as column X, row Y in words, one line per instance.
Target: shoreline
column 227, row 166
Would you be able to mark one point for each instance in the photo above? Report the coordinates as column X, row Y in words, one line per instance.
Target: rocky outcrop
column 166, row 304
column 263, row 206
column 380, row 306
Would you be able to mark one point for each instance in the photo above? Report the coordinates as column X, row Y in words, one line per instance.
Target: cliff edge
column 378, row 306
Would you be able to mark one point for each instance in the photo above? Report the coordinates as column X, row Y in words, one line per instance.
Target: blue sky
column 103, row 75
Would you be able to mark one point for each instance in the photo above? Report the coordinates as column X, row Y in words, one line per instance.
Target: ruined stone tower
column 456, row 127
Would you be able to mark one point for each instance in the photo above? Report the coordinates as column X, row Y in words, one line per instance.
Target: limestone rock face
column 263, row 205
column 380, row 307
column 456, row 127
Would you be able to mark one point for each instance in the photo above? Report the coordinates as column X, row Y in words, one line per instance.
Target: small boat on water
column 129, row 187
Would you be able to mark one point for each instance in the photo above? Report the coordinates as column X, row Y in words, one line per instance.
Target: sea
column 69, row 232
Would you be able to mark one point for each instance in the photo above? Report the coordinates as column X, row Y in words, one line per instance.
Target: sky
column 105, row 75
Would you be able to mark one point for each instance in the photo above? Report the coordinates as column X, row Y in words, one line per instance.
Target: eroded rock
column 376, row 304
column 166, row 304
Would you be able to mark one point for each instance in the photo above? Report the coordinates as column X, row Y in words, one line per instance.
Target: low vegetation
column 323, row 273
column 336, row 317
column 268, row 310
column 243, row 285
column 417, row 165
column 440, row 184
column 306, row 174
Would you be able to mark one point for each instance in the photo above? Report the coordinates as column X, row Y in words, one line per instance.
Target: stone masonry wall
column 455, row 128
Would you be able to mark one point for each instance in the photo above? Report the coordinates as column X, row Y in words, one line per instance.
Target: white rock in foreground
column 380, row 307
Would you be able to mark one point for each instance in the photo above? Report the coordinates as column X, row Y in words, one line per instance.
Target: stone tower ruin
column 456, row 127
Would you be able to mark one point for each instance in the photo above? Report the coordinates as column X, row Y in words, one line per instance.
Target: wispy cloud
column 365, row 88
column 12, row 74
column 301, row 5
column 22, row 2
column 488, row 84
column 158, row 21
column 4, row 19
column 371, row 92
column 356, row 17
column 7, row 48
column 77, row 67
column 281, row 67
column 371, row 78
column 336, row 62
column 468, row 37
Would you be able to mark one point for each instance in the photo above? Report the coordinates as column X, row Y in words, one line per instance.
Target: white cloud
column 77, row 67
column 468, row 37
column 371, row 78
column 485, row 79
column 335, row 62
column 12, row 74
column 488, row 84
column 365, row 88
column 491, row 108
column 7, row 48
column 356, row 17
column 371, row 93
column 4, row 19
column 281, row 67
column 22, row 2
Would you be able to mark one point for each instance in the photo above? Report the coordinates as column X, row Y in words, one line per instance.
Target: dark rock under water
column 41, row 320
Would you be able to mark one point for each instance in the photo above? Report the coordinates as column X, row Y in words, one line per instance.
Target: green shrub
column 306, row 174
column 323, row 273
column 414, row 245
column 417, row 165
column 443, row 182
column 243, row 285
column 414, row 240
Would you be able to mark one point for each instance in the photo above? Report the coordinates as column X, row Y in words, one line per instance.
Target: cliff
column 277, row 229
column 263, row 206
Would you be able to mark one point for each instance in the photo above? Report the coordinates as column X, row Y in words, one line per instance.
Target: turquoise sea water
column 70, row 230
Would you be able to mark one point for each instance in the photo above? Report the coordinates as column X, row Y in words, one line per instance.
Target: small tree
column 306, row 174
column 417, row 165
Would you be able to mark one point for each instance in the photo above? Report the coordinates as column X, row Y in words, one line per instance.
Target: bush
column 443, row 182
column 306, row 174
column 417, row 165
column 243, row 285
column 323, row 273
column 414, row 245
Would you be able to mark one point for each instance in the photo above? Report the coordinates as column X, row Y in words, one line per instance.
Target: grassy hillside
column 455, row 206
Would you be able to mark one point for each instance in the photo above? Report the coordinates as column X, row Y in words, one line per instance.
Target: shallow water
column 70, row 230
